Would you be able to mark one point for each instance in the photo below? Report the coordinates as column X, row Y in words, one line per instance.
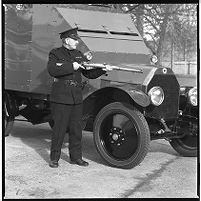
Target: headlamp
column 192, row 96
column 157, row 95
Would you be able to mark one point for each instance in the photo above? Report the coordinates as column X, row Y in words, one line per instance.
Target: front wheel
column 187, row 146
column 121, row 135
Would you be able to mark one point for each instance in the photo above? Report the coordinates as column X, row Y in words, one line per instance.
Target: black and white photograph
column 100, row 101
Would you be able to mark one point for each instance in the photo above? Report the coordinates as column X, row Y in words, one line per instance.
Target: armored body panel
column 111, row 38
column 32, row 33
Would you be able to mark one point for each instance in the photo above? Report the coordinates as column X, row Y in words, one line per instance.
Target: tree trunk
column 162, row 34
column 184, row 50
column 139, row 14
column 172, row 54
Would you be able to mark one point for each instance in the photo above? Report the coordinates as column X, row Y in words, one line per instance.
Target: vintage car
column 125, row 109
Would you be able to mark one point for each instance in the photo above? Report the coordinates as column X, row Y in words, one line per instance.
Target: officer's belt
column 73, row 83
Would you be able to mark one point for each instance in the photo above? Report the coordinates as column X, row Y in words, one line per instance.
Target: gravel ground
column 162, row 174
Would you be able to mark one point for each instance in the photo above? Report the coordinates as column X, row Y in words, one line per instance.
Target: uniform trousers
column 66, row 116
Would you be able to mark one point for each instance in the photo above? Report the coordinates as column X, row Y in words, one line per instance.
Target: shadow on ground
column 162, row 146
column 39, row 138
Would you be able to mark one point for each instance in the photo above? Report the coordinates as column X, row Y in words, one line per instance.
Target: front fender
column 104, row 96
column 139, row 97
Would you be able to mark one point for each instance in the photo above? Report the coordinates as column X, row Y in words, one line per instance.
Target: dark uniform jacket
column 61, row 92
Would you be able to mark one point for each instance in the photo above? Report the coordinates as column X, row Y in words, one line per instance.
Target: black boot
column 53, row 164
column 80, row 162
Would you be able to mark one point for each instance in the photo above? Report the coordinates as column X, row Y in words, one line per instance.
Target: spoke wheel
column 121, row 135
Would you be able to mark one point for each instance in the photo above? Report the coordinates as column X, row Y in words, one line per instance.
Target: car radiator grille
column 169, row 108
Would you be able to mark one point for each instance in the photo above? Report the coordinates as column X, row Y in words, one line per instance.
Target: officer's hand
column 108, row 68
column 76, row 66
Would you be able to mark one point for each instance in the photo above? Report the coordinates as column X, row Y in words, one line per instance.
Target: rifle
column 89, row 66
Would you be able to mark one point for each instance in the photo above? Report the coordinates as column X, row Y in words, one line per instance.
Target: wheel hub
column 117, row 136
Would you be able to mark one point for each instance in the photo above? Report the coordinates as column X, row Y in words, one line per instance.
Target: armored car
column 125, row 109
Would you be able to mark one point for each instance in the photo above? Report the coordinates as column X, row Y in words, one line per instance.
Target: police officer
column 66, row 96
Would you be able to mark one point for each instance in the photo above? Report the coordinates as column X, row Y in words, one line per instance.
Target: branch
column 132, row 8
column 152, row 23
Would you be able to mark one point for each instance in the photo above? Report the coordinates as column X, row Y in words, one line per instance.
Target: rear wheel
column 51, row 123
column 8, row 121
column 121, row 135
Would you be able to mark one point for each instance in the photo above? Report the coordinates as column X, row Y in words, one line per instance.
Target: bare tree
column 173, row 23
column 176, row 23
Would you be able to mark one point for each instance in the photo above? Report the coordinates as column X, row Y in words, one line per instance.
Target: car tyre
column 8, row 122
column 124, row 145
column 186, row 146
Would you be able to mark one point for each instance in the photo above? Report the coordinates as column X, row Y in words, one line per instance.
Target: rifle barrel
column 113, row 67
